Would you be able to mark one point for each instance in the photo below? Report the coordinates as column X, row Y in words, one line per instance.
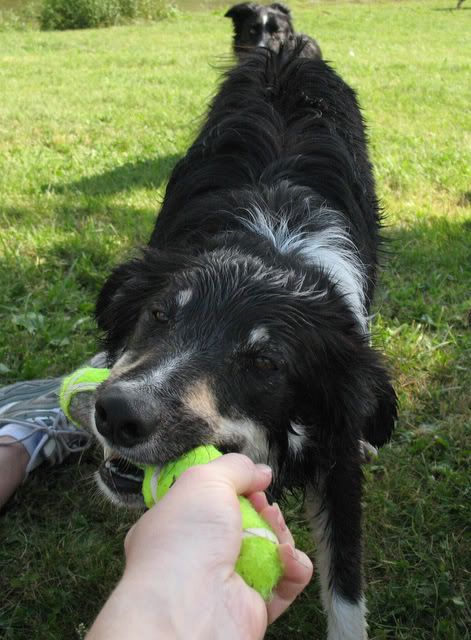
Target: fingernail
column 303, row 560
column 259, row 500
column 265, row 469
column 279, row 518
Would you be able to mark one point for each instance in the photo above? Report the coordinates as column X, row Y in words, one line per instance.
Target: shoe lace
column 53, row 424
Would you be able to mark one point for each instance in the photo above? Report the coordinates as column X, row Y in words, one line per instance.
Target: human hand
column 180, row 558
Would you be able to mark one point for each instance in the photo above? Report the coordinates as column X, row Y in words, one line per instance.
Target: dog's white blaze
column 183, row 297
column 296, row 440
column 127, row 363
column 346, row 620
column 156, row 377
column 259, row 334
column 264, row 22
column 330, row 249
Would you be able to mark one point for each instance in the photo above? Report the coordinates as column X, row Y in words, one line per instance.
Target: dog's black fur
column 237, row 327
column 268, row 26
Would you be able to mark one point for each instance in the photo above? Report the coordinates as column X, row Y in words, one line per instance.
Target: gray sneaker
column 32, row 389
column 39, row 424
column 28, row 390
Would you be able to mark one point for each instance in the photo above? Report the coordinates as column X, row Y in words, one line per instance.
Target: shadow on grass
column 46, row 308
column 427, row 273
column 149, row 174
column 75, row 218
column 89, row 244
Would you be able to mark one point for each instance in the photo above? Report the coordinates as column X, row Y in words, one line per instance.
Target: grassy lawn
column 91, row 124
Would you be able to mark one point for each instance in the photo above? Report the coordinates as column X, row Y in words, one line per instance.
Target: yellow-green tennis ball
column 157, row 481
column 259, row 562
column 84, row 380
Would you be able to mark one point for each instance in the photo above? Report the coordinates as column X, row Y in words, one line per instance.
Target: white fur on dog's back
column 329, row 248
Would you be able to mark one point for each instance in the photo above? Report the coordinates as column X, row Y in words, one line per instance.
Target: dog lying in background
column 270, row 26
column 244, row 323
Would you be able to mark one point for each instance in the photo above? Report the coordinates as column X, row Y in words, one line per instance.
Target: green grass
column 91, row 124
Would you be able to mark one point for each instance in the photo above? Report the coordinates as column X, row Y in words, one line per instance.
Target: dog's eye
column 264, row 364
column 160, row 315
column 253, row 31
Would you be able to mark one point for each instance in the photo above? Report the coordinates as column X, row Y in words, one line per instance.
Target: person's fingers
column 259, row 500
column 297, row 574
column 242, row 473
column 233, row 469
column 272, row 514
column 297, row 566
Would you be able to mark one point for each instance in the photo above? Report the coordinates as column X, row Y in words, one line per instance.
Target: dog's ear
column 281, row 7
column 366, row 401
column 127, row 290
column 346, row 387
column 379, row 426
column 240, row 12
column 107, row 298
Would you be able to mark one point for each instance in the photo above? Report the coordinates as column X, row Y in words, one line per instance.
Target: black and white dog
column 269, row 26
column 244, row 323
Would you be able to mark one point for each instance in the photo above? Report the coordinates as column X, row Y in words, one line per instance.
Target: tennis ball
column 83, row 380
column 259, row 562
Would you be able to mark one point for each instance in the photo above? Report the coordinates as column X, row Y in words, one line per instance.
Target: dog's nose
column 118, row 419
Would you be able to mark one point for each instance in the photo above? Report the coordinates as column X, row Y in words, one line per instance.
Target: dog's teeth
column 107, row 451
